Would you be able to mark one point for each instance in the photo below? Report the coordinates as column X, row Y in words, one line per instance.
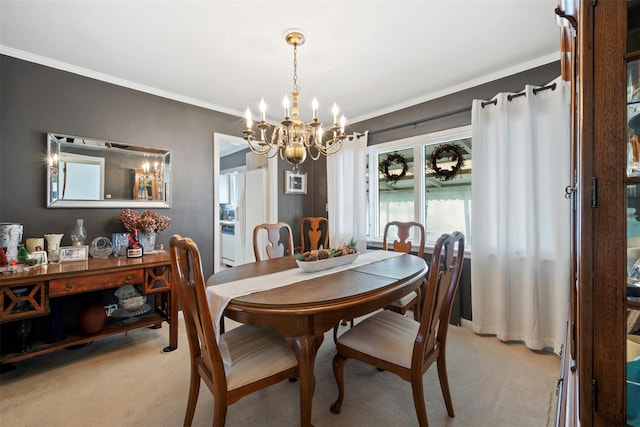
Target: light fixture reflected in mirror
column 52, row 160
column 150, row 182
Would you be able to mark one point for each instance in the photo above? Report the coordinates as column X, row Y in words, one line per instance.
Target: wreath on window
column 393, row 159
column 447, row 152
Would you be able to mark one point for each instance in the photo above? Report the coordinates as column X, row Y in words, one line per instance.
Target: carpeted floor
column 128, row 381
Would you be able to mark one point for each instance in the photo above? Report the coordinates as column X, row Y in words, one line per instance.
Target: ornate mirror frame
column 92, row 173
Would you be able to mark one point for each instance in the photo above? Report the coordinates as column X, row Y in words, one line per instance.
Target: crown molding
column 85, row 72
column 49, row 62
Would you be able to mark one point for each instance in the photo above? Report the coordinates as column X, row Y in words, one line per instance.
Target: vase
column 53, row 246
column 148, row 240
column 79, row 234
column 92, row 319
column 120, row 244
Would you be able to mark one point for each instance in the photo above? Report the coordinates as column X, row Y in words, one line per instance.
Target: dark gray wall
column 234, row 160
column 293, row 207
column 38, row 99
column 441, row 106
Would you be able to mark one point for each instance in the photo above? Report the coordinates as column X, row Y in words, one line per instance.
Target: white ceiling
column 370, row 57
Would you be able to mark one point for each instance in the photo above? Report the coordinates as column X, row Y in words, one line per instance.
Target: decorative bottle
column 135, row 248
column 79, row 234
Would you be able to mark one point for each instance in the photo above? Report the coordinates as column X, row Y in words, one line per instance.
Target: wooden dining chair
column 275, row 248
column 243, row 360
column 403, row 346
column 314, row 232
column 403, row 244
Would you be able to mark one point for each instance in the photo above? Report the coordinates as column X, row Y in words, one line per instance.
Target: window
column 407, row 187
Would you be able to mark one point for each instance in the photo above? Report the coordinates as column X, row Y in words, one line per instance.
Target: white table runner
column 218, row 296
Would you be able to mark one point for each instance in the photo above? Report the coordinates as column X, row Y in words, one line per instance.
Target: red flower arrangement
column 148, row 221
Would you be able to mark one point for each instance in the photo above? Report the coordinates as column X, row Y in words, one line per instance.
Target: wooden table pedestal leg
column 305, row 348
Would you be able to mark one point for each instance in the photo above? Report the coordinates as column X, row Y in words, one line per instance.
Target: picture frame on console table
column 295, row 183
column 39, row 256
column 74, row 253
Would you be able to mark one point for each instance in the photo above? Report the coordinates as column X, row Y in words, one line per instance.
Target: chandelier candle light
column 293, row 138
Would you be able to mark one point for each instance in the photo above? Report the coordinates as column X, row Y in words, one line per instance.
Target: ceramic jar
column 92, row 319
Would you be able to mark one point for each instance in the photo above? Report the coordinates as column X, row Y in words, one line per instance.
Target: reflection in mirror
column 84, row 172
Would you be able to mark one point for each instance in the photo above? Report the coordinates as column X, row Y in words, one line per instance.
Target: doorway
column 224, row 145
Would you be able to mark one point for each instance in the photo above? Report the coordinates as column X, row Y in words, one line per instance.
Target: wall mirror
column 91, row 173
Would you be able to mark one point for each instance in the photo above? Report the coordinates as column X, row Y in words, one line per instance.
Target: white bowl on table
column 324, row 264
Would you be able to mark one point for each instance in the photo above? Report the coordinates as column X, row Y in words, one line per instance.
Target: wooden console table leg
column 173, row 321
column 23, row 335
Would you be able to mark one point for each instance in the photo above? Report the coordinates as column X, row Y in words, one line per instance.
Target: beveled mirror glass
column 91, row 173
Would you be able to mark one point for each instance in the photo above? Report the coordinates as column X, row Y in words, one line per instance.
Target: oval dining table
column 303, row 311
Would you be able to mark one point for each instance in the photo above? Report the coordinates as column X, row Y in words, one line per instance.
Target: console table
column 26, row 297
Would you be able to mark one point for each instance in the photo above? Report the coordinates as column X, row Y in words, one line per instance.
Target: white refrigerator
column 251, row 211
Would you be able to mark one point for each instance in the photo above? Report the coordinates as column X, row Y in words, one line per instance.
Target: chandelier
column 293, row 139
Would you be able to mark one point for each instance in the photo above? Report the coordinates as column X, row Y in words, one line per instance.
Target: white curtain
column 346, row 192
column 521, row 221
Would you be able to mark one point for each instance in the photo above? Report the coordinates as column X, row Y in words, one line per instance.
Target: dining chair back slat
column 314, row 232
column 404, row 244
column 275, row 247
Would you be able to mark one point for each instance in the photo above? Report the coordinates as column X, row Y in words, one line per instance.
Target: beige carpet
column 128, row 381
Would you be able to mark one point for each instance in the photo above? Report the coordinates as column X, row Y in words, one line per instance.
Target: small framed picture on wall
column 295, row 183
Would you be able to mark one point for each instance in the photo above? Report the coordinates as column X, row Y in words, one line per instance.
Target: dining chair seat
column 401, row 305
column 387, row 335
column 251, row 354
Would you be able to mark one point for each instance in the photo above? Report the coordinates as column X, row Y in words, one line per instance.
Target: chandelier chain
column 295, row 68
